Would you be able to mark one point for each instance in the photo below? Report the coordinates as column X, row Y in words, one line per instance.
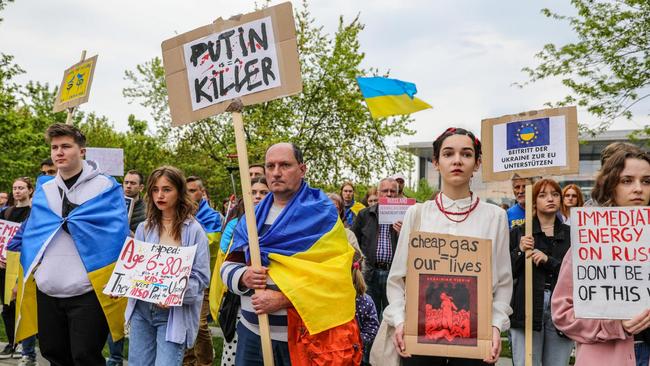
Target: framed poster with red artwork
column 449, row 296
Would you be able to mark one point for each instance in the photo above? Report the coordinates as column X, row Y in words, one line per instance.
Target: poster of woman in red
column 447, row 310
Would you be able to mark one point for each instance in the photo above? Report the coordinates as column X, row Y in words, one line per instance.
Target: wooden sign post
column 75, row 86
column 223, row 66
column 527, row 145
column 528, row 323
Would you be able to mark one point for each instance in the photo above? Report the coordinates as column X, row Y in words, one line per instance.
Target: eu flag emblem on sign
column 529, row 133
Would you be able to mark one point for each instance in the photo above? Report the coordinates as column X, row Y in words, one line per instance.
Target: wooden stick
column 251, row 225
column 528, row 326
column 68, row 120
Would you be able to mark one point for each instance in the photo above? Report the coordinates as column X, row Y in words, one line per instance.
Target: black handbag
column 228, row 311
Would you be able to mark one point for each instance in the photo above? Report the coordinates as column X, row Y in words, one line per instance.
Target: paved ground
column 15, row 361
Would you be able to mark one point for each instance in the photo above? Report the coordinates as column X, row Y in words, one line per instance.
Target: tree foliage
column 608, row 68
column 328, row 120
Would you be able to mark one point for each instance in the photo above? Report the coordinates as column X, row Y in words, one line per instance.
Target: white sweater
column 487, row 221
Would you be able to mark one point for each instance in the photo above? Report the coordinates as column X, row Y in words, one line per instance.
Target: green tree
column 423, row 192
column 607, row 68
column 328, row 120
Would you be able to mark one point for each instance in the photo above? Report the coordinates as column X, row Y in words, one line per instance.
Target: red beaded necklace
column 473, row 206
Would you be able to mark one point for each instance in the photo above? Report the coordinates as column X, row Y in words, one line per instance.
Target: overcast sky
column 462, row 55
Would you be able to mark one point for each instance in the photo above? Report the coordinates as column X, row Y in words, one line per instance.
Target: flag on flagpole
column 388, row 97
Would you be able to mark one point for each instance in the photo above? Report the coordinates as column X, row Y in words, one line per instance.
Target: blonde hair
column 358, row 269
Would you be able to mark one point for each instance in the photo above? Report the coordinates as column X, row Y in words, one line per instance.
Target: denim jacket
column 183, row 321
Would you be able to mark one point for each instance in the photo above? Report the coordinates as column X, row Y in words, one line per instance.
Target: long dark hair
column 609, row 175
column 185, row 207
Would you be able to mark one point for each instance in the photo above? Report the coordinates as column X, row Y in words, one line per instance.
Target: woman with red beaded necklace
column 456, row 211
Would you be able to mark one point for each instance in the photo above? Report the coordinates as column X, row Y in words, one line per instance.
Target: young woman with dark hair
column 624, row 180
column 456, row 211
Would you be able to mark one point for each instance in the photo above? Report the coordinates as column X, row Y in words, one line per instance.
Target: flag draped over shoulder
column 308, row 256
column 98, row 228
column 210, row 220
column 352, row 212
column 388, row 97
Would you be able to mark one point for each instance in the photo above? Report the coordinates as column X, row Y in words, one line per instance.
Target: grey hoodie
column 61, row 272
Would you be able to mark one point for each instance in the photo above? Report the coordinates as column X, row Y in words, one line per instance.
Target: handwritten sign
column 536, row 143
column 75, row 86
column 252, row 56
column 110, row 160
column 611, row 261
column 392, row 210
column 449, row 306
column 7, row 231
column 232, row 63
column 152, row 272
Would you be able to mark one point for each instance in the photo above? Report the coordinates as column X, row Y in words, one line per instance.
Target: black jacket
column 555, row 249
column 138, row 215
column 366, row 229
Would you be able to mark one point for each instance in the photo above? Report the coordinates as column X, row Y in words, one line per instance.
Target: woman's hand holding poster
column 154, row 273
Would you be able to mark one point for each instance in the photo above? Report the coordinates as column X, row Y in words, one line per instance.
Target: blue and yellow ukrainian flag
column 308, row 256
column 534, row 132
column 217, row 287
column 388, row 97
column 98, row 228
column 211, row 221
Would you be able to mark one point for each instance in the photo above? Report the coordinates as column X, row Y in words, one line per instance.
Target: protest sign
column 75, row 86
column 611, row 261
column 449, row 302
column 535, row 143
column 129, row 206
column 154, row 273
column 110, row 160
column 252, row 56
column 7, row 231
column 392, row 210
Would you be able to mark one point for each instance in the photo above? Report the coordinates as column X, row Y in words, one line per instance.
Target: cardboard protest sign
column 449, row 296
column 611, row 256
column 530, row 144
column 154, row 273
column 75, row 86
column 392, row 210
column 7, row 231
column 110, row 160
column 252, row 56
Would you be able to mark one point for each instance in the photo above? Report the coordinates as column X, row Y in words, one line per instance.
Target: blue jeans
column 147, row 338
column 115, row 350
column 249, row 349
column 549, row 348
column 642, row 352
column 376, row 288
column 29, row 347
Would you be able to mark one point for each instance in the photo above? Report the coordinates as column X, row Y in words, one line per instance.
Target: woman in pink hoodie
column 624, row 180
